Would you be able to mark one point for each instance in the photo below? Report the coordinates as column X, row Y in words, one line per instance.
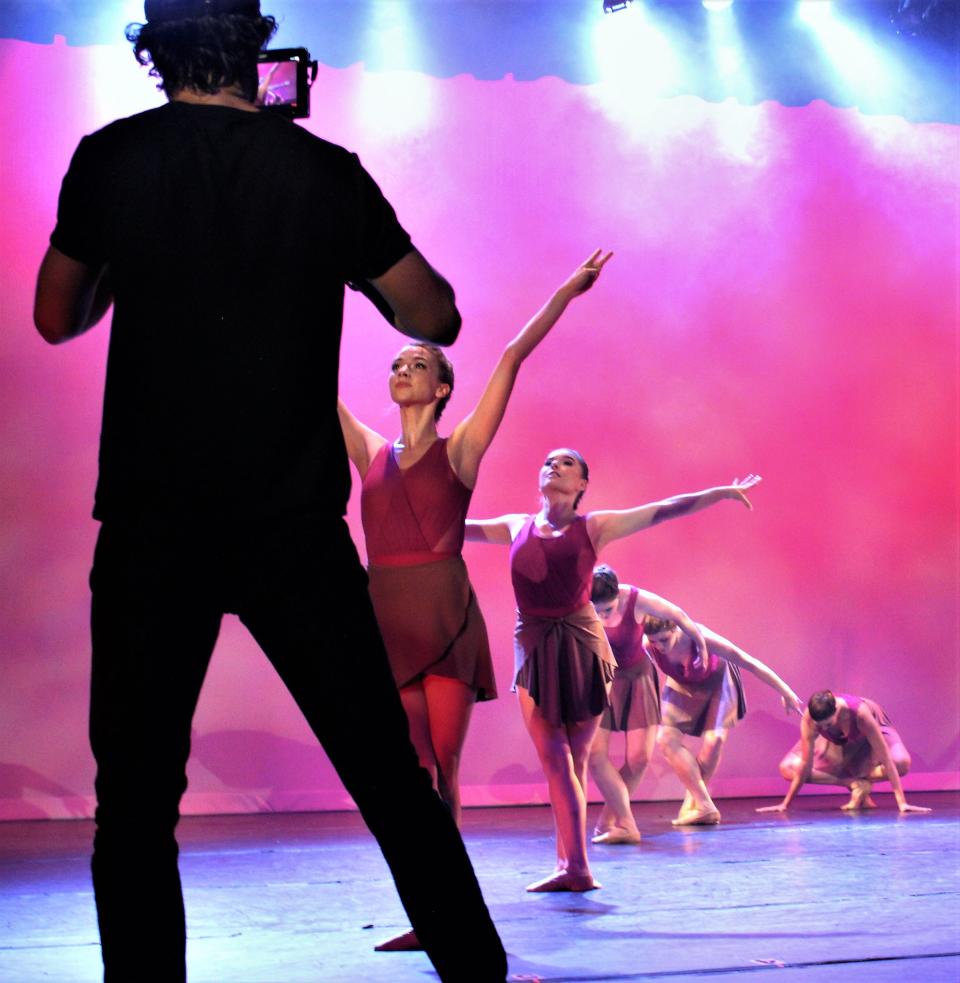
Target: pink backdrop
column 783, row 300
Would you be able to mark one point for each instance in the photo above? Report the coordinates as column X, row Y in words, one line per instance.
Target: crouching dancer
column 849, row 741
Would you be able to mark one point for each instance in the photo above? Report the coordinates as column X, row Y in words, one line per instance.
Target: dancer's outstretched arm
column 871, row 730
column 361, row 441
column 608, row 525
column 471, row 438
column 734, row 654
column 659, row 607
column 502, row 530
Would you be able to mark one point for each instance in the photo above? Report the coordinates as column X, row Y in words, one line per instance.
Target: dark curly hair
column 206, row 53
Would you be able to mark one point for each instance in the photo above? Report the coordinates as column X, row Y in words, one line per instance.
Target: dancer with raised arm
column 416, row 491
column 846, row 740
column 702, row 700
column 634, row 708
column 564, row 664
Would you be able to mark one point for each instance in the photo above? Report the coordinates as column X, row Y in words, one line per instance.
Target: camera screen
column 285, row 75
column 278, row 83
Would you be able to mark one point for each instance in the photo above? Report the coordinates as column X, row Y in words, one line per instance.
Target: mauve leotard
column 635, row 694
column 562, row 656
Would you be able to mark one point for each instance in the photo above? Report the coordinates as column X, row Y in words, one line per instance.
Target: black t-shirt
column 228, row 236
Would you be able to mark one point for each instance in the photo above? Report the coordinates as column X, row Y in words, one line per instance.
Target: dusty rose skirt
column 565, row 664
column 694, row 708
column 432, row 625
column 634, row 699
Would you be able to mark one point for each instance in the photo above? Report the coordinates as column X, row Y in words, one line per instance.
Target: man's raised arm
column 422, row 302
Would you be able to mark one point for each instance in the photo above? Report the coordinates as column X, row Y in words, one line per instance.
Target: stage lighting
column 717, row 5
column 914, row 16
column 612, row 6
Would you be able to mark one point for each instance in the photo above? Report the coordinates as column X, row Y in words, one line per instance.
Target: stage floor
column 815, row 896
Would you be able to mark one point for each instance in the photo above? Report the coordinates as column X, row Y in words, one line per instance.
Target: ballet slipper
column 698, row 817
column 407, row 942
column 616, row 836
column 563, row 880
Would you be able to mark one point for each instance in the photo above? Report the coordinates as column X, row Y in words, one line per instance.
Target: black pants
column 158, row 598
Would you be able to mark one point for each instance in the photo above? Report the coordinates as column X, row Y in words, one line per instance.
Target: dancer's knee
column 668, row 741
column 901, row 761
column 789, row 767
column 636, row 763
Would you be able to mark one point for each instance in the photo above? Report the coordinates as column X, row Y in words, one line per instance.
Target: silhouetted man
column 223, row 236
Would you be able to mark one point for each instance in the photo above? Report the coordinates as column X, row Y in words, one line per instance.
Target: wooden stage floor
column 815, row 896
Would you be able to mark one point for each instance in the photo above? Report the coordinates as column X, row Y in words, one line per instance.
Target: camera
column 286, row 75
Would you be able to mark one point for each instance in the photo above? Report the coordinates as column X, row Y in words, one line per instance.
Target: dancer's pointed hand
column 738, row 488
column 585, row 275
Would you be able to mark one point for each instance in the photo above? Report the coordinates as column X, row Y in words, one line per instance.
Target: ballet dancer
column 702, row 700
column 634, row 708
column 564, row 664
column 849, row 741
column 414, row 500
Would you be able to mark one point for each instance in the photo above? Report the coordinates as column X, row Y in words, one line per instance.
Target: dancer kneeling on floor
column 702, row 701
column 564, row 664
column 634, row 708
column 849, row 741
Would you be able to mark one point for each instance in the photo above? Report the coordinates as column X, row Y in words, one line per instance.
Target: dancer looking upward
column 846, row 740
column 634, row 708
column 564, row 664
column 702, row 701
column 416, row 491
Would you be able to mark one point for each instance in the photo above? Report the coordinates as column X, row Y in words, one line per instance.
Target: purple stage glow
column 783, row 300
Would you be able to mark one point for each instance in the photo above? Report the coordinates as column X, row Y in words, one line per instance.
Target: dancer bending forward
column 846, row 740
column 634, row 708
column 564, row 665
column 702, row 701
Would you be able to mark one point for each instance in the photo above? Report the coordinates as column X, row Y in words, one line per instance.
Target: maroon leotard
column 413, row 515
column 836, row 736
column 562, row 656
column 626, row 639
column 552, row 576
column 689, row 671
column 635, row 694
column 413, row 520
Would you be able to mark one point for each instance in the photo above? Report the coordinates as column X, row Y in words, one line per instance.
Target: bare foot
column 563, row 880
column 698, row 817
column 860, row 797
column 408, row 942
column 616, row 836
